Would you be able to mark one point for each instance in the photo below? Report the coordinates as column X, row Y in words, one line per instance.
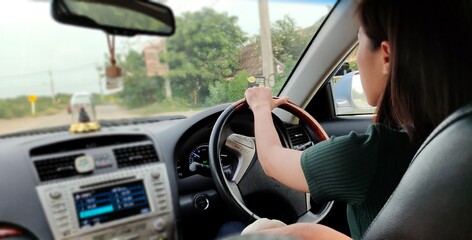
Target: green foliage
column 288, row 43
column 280, row 79
column 353, row 66
column 20, row 107
column 139, row 89
column 62, row 98
column 218, row 92
column 202, row 55
column 224, row 91
column 288, row 40
column 238, row 86
column 204, row 49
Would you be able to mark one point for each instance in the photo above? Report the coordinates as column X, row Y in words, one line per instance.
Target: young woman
column 413, row 60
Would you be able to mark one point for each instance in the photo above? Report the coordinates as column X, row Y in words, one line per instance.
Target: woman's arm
column 306, row 231
column 281, row 163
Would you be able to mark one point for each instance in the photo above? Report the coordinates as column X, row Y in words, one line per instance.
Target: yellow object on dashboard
column 84, row 127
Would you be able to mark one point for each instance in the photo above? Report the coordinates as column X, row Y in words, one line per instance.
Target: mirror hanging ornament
column 114, row 79
column 83, row 107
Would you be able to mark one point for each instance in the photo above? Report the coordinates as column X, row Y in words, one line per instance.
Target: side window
column 349, row 96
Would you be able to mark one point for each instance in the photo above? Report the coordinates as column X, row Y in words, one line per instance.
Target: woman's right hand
column 261, row 98
column 282, row 164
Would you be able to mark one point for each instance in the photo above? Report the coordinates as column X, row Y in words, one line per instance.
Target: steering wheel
column 248, row 176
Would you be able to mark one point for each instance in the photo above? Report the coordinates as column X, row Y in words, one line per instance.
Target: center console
column 124, row 205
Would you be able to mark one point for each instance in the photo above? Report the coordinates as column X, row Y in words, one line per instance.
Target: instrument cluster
column 197, row 161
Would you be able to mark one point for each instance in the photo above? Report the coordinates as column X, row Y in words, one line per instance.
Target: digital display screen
column 111, row 203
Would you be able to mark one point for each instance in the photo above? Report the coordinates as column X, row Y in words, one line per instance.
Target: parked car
column 349, row 95
column 69, row 109
column 79, row 98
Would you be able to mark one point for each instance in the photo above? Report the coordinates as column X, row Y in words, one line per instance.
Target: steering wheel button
column 243, row 141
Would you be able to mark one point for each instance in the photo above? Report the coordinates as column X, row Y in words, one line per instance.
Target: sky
column 36, row 52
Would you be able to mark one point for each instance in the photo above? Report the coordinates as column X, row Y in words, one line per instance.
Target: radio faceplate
column 134, row 204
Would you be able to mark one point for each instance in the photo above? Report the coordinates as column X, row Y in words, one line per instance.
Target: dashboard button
column 156, row 174
column 201, row 202
column 55, row 195
column 159, row 225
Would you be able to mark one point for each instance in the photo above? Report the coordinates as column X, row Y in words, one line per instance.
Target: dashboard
column 145, row 180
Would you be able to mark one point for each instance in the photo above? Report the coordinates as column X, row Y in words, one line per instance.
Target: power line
column 47, row 71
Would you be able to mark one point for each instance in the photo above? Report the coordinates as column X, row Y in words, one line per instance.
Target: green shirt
column 359, row 169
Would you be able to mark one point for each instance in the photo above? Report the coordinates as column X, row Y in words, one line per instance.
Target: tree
column 139, row 89
column 223, row 91
column 204, row 49
column 281, row 78
column 288, row 43
column 288, row 40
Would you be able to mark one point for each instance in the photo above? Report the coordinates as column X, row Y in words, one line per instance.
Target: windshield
column 216, row 53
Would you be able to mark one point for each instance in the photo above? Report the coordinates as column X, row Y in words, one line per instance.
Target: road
column 103, row 112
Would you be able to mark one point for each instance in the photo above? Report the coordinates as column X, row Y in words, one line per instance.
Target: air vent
column 297, row 135
column 55, row 168
column 87, row 143
column 136, row 155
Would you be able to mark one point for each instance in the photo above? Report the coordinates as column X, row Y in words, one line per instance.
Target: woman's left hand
column 308, row 231
column 261, row 98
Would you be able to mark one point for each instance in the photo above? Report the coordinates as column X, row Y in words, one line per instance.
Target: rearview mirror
column 116, row 17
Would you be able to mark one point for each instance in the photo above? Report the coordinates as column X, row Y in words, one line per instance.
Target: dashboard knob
column 159, row 225
column 155, row 174
column 55, row 195
column 133, row 236
column 201, row 202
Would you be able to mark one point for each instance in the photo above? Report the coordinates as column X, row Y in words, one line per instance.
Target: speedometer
column 199, row 158
column 199, row 161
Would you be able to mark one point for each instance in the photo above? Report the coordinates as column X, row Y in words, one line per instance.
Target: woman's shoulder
column 382, row 129
column 375, row 136
column 389, row 137
column 393, row 141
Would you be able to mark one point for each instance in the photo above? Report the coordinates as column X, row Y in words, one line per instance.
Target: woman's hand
column 261, row 98
column 278, row 162
column 262, row 224
column 305, row 231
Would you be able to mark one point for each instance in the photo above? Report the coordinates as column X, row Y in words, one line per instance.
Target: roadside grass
column 166, row 106
column 20, row 107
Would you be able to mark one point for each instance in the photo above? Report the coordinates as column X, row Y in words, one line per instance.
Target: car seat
column 434, row 197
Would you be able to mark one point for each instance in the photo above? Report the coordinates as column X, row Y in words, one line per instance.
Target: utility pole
column 168, row 88
column 100, row 83
column 100, row 86
column 266, row 44
column 51, row 81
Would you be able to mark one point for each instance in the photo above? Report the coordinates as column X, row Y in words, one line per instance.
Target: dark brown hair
column 430, row 60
